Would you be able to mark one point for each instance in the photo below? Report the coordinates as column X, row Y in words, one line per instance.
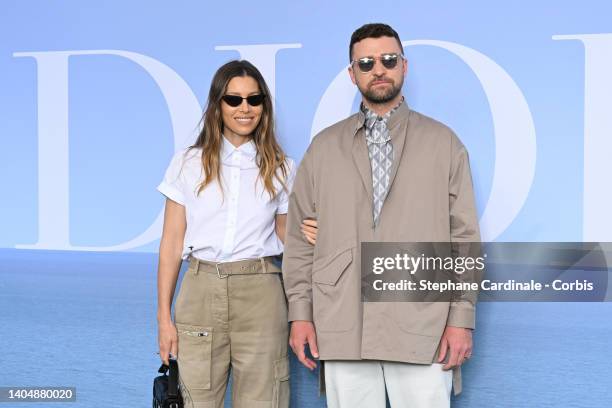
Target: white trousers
column 361, row 384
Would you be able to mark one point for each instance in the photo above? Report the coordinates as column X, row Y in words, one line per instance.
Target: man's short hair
column 372, row 30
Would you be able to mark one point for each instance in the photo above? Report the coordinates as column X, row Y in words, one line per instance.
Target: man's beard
column 379, row 96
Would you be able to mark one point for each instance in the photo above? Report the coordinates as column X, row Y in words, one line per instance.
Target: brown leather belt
column 225, row 269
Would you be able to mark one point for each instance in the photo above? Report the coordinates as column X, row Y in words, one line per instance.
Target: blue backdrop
column 96, row 98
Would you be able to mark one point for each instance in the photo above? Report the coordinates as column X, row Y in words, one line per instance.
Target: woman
column 227, row 199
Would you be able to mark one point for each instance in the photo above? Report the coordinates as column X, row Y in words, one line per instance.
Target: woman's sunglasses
column 366, row 64
column 235, row 100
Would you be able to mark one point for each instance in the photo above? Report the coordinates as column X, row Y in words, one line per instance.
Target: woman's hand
column 309, row 229
column 168, row 340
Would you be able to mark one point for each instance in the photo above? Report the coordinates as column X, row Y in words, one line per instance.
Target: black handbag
column 165, row 387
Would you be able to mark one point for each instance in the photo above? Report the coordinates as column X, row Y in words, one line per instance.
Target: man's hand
column 303, row 332
column 457, row 341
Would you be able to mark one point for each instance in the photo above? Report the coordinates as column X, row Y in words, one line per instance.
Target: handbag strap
column 173, row 378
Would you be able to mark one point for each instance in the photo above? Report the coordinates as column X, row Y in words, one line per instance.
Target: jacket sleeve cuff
column 300, row 310
column 462, row 316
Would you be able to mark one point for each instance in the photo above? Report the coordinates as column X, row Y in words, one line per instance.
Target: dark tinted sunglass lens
column 232, row 100
column 389, row 61
column 365, row 64
column 255, row 100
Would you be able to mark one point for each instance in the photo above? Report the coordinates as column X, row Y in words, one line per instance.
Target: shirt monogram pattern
column 380, row 152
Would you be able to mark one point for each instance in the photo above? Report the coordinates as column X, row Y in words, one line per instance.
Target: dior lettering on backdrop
column 514, row 132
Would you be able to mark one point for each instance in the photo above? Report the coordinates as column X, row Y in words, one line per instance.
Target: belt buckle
column 219, row 272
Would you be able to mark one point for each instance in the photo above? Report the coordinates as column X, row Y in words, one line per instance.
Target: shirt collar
column 400, row 112
column 370, row 114
column 248, row 149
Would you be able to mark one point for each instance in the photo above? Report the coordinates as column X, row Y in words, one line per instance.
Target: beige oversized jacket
column 430, row 199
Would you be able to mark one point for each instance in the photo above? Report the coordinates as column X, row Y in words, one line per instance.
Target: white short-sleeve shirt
column 241, row 224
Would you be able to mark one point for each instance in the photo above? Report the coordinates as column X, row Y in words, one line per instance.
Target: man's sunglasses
column 366, row 64
column 235, row 100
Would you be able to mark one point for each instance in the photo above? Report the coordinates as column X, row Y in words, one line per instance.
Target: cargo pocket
column 280, row 397
column 194, row 355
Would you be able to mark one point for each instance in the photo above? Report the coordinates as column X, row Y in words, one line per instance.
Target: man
column 386, row 174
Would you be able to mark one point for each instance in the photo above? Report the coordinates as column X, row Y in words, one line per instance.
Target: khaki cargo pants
column 232, row 314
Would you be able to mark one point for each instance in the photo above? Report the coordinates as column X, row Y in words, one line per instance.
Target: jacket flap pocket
column 328, row 270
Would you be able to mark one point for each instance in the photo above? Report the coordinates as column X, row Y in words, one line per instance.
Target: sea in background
column 88, row 320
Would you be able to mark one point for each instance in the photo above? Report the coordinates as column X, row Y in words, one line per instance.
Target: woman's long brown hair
column 270, row 157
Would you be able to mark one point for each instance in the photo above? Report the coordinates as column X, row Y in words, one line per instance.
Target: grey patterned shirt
column 380, row 151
